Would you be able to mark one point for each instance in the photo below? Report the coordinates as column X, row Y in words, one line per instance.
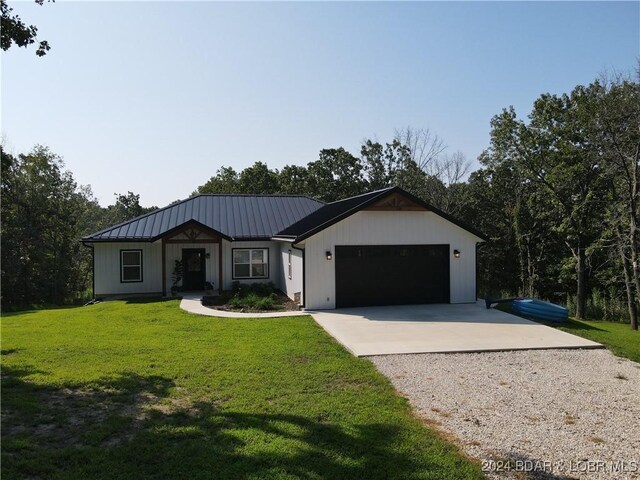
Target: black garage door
column 392, row 275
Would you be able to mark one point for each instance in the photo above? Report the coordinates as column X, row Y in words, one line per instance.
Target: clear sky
column 155, row 97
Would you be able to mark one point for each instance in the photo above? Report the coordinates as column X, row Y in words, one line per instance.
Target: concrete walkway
column 192, row 304
column 439, row 329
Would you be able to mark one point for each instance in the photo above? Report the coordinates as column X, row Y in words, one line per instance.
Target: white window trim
column 251, row 262
column 289, row 267
column 122, row 265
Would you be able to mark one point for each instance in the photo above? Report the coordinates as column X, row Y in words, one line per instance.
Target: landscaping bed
column 251, row 298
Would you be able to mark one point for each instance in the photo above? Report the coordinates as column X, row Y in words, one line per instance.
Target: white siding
column 107, row 268
column 293, row 285
column 174, row 252
column 389, row 228
column 274, row 262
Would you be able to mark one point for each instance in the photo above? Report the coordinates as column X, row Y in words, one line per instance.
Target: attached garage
column 391, row 275
column 384, row 248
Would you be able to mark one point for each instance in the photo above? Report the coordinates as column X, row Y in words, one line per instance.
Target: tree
column 336, row 175
column 258, row 179
column 293, row 180
column 613, row 125
column 41, row 208
column 556, row 158
column 14, row 30
column 126, row 207
column 225, row 180
column 425, row 148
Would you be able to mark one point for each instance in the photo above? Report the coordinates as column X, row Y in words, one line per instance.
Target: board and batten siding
column 389, row 228
column 174, row 252
column 227, row 262
column 107, row 268
column 293, row 285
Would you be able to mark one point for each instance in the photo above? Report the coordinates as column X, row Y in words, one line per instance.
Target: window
column 130, row 266
column 251, row 263
column 289, row 266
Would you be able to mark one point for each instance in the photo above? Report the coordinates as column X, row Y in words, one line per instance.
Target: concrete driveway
column 438, row 329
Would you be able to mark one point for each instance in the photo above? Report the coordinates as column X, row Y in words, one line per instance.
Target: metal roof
column 329, row 214
column 332, row 213
column 252, row 217
column 237, row 217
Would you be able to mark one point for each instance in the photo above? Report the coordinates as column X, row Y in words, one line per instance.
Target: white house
column 381, row 248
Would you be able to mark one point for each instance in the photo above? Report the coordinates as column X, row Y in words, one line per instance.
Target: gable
column 392, row 199
column 396, row 202
column 192, row 232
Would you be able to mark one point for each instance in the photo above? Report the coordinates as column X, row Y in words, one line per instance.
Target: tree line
column 44, row 215
column 557, row 194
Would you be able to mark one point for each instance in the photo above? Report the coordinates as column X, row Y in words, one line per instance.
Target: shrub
column 602, row 306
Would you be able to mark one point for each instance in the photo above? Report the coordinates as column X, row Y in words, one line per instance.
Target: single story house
column 381, row 248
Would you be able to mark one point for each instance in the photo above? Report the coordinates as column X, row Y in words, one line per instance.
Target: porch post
column 220, row 265
column 164, row 268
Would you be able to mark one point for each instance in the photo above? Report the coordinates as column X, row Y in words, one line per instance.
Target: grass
column 141, row 389
column 616, row 336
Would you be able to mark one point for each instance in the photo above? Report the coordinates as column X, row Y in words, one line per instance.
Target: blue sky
column 155, row 97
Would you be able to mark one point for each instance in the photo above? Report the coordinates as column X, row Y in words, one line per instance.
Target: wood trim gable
column 396, row 202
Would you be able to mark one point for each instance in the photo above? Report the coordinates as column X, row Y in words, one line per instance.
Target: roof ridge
column 362, row 195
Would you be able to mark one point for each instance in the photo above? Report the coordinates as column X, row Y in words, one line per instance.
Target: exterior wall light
column 456, row 253
column 328, row 255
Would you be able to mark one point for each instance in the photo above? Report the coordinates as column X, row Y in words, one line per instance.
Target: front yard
column 141, row 389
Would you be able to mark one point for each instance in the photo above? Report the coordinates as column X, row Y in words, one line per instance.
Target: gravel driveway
column 574, row 412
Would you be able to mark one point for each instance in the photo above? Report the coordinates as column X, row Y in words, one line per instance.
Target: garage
column 391, row 275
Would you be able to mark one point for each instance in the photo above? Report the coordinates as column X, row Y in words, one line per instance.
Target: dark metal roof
column 329, row 214
column 252, row 217
column 234, row 217
column 332, row 213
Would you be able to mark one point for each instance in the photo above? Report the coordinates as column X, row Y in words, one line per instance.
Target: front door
column 194, row 268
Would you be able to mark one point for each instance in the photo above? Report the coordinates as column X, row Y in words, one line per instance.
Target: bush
column 602, row 306
column 267, row 303
column 254, row 298
column 260, row 289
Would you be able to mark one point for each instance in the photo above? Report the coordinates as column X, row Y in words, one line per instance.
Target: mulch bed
column 218, row 302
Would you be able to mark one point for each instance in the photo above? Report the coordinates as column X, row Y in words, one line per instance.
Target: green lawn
column 617, row 337
column 140, row 389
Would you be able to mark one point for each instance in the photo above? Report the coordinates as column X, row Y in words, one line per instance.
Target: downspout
column 93, row 269
column 304, row 276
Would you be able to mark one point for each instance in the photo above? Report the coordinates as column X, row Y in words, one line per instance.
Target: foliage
column 126, row 207
column 609, row 306
column 240, row 398
column 14, row 30
column 44, row 216
column 254, row 296
column 549, row 195
column 178, row 273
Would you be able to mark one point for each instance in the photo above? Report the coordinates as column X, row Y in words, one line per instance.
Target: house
column 381, row 248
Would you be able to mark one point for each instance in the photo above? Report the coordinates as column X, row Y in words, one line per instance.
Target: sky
column 154, row 97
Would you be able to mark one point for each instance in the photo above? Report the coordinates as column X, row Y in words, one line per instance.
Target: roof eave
column 384, row 193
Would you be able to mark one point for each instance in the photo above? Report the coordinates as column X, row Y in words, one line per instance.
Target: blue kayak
column 531, row 307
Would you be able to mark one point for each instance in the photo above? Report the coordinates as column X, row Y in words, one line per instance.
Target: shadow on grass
column 571, row 325
column 132, row 426
column 147, row 300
